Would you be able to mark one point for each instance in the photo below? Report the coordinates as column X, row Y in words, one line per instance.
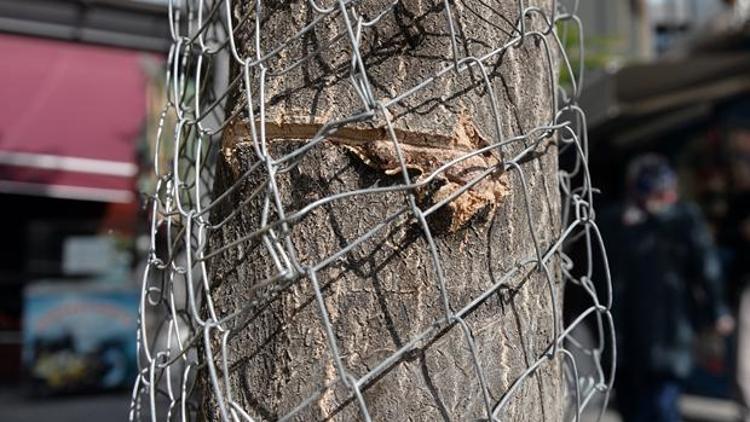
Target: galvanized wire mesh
column 183, row 337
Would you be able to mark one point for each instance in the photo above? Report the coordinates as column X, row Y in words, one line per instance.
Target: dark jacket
column 667, row 281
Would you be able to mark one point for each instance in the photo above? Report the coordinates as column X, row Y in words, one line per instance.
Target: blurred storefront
column 78, row 82
column 693, row 107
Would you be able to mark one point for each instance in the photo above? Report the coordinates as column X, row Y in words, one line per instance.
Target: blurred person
column 667, row 281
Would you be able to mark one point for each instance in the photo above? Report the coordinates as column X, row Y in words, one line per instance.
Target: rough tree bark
column 385, row 291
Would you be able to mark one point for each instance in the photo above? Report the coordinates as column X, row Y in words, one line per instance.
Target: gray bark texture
column 385, row 291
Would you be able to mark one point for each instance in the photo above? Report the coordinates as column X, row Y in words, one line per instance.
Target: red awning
column 70, row 117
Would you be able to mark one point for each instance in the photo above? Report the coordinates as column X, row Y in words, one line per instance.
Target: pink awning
column 70, row 118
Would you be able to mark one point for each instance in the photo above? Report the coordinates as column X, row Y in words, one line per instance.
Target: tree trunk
column 385, row 292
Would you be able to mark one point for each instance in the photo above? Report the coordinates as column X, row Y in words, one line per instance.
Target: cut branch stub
column 444, row 164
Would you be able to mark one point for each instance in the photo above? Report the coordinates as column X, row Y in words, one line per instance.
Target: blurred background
column 81, row 89
column 81, row 84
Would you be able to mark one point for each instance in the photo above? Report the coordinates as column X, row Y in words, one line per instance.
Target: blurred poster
column 79, row 336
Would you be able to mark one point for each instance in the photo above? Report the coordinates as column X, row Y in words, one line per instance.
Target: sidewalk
column 88, row 408
column 694, row 409
column 698, row 409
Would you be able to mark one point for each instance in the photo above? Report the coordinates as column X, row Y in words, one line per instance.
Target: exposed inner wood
column 422, row 152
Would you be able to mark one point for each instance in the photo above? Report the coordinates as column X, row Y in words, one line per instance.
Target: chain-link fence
column 233, row 228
